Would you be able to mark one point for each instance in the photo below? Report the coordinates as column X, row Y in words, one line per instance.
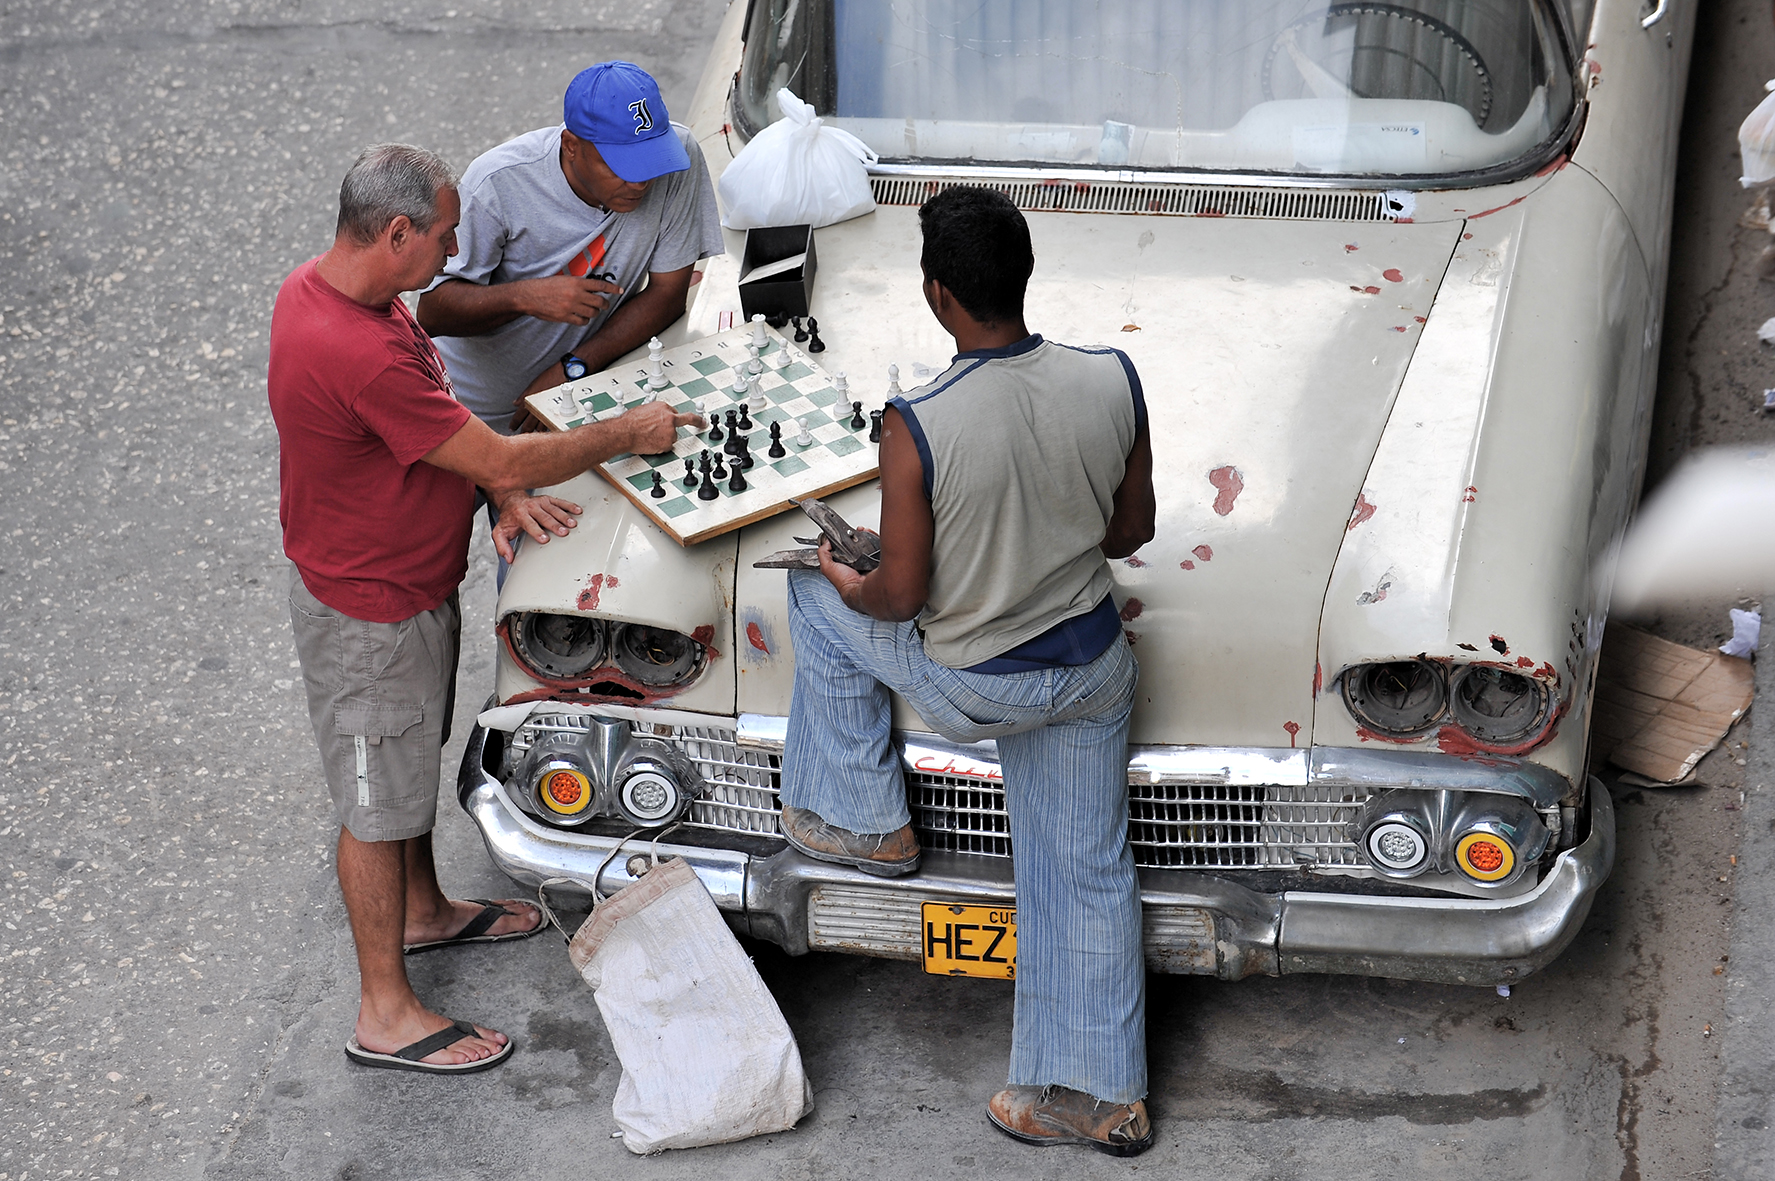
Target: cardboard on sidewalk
column 1660, row 707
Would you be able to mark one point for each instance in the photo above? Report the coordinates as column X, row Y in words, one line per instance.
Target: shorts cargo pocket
column 368, row 725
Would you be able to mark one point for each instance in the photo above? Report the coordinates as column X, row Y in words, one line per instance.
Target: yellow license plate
column 970, row 940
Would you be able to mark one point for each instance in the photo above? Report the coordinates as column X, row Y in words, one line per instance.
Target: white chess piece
column 755, row 400
column 758, row 337
column 753, row 364
column 780, row 359
column 841, row 385
column 803, row 439
column 893, row 390
column 738, row 392
column 656, row 372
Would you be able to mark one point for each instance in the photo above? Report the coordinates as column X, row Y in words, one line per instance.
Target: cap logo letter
column 643, row 119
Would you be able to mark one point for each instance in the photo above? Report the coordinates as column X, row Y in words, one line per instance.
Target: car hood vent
column 1179, row 200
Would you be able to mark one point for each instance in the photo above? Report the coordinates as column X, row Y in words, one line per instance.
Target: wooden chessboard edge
column 636, row 497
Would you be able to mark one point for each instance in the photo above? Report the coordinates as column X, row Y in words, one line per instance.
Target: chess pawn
column 804, row 439
column 856, row 416
column 893, row 390
column 690, row 472
column 740, row 384
column 753, row 364
column 658, row 491
column 758, row 337
column 720, row 470
column 800, row 330
column 745, row 423
column 814, row 343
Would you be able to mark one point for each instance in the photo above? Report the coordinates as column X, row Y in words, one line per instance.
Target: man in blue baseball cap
column 577, row 243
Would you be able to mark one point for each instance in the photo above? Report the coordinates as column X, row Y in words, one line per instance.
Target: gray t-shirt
column 521, row 220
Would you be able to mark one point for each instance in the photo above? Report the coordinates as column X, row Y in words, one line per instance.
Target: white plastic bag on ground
column 797, row 171
column 706, row 1055
column 1756, row 142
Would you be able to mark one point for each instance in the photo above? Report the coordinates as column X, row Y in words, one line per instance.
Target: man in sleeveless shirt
column 1006, row 484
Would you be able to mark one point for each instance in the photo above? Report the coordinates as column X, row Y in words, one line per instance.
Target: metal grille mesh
column 1171, row 826
column 1177, row 200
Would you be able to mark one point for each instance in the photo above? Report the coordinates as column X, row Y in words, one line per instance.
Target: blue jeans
column 1062, row 737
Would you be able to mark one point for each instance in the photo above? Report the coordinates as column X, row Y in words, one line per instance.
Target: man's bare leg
column 432, row 917
column 372, row 876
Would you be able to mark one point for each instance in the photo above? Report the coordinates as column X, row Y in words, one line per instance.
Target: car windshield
column 1423, row 87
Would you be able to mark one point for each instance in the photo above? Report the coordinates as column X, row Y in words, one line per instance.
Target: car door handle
column 1657, row 14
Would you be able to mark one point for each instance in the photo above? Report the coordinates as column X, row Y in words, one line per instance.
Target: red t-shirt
column 359, row 395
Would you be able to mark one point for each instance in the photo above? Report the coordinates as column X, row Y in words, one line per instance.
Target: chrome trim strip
column 1379, row 770
column 765, row 732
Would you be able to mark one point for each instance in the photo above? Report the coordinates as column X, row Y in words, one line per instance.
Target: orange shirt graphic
column 586, row 261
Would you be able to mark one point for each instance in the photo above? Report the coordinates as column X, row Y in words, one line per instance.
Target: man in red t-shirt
column 379, row 469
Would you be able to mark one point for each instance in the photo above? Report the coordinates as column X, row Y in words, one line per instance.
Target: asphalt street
column 176, row 979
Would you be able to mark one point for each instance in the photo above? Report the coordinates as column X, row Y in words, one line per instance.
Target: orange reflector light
column 1485, row 857
column 565, row 791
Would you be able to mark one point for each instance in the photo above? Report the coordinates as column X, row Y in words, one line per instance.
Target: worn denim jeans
column 1062, row 737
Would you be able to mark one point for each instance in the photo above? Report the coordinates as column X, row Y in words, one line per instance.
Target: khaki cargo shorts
column 380, row 696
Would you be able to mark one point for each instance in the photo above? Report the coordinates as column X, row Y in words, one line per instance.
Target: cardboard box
column 1660, row 706
column 783, row 293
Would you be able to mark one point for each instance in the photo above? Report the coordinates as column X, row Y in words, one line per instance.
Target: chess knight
column 1389, row 279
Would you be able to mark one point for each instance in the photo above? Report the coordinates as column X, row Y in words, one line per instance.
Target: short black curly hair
column 976, row 244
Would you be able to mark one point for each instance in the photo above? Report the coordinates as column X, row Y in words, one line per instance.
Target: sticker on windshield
column 1362, row 147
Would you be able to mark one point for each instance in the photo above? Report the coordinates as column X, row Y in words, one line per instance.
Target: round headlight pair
column 570, row 647
column 1408, row 698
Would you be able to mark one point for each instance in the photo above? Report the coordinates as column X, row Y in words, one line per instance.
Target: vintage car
column 1392, row 276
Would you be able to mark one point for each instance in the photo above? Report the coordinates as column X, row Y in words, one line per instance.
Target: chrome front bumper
column 1196, row 922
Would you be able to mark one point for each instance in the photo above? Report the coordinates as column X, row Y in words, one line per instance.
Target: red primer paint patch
column 704, row 635
column 1204, row 552
column 1400, row 327
column 610, row 582
column 1393, row 275
column 588, row 598
column 1367, row 735
column 1187, row 564
column 1420, row 320
column 1525, row 662
column 1131, row 610
column 1132, row 638
column 1371, row 291
column 1364, row 510
column 1469, row 494
column 1350, row 248
column 1466, row 237
column 755, row 637
column 1293, row 729
column 1135, row 560
column 1229, row 483
column 1318, row 678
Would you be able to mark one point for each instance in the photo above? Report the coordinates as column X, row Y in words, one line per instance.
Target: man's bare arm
column 897, row 589
column 1136, row 510
column 500, row 463
column 630, row 326
column 457, row 307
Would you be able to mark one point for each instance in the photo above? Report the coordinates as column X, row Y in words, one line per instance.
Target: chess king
column 996, row 541
column 559, row 227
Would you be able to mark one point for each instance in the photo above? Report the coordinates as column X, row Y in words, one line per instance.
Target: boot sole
column 880, row 869
column 1133, row 1149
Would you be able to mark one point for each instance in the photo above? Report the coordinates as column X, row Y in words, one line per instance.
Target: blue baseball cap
column 616, row 107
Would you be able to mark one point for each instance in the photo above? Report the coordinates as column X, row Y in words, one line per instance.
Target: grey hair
column 389, row 181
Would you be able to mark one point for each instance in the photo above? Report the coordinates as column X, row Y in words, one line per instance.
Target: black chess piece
column 856, row 423
column 875, row 426
column 658, row 492
column 690, row 472
column 814, row 343
column 715, row 435
column 738, row 483
column 742, row 455
column 800, row 330
column 776, row 441
column 745, row 417
column 708, row 491
column 720, row 472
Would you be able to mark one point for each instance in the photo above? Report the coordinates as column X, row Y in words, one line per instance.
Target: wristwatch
column 574, row 367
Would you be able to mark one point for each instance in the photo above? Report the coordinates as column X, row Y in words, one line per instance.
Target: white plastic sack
column 1756, row 142
column 706, row 1055
column 797, row 171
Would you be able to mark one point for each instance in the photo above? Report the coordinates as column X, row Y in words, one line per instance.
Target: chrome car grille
column 1171, row 825
column 1177, row 200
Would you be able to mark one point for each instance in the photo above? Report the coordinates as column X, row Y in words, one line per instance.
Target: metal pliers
column 860, row 549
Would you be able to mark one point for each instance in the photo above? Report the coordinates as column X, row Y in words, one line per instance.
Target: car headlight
column 655, row 656
column 559, row 647
column 1497, row 706
column 1398, row 698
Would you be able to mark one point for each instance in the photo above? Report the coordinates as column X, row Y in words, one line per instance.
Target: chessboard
column 789, row 389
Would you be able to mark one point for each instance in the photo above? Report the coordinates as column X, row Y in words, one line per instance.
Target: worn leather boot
column 885, row 854
column 1061, row 1115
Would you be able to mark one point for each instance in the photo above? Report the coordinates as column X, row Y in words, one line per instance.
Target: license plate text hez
column 970, row 940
